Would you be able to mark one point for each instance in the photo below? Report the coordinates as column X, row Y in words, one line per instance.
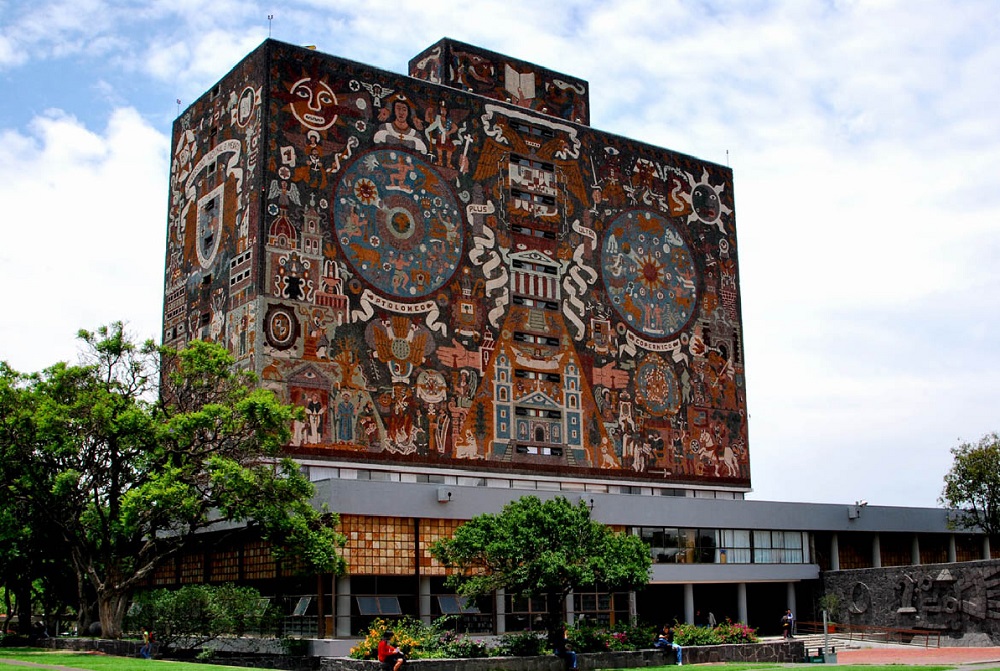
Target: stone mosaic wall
column 958, row 600
column 442, row 278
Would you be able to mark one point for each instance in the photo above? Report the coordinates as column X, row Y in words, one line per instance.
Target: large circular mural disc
column 649, row 274
column 398, row 223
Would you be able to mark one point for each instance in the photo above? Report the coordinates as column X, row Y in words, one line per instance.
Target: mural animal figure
column 365, row 255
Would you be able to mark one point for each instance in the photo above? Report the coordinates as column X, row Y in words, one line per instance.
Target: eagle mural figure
column 562, row 150
column 400, row 344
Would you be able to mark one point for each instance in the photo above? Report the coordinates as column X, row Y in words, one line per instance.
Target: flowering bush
column 412, row 637
column 727, row 632
column 736, row 632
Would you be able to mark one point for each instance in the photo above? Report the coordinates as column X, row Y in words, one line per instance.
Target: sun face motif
column 366, row 191
column 651, row 273
column 313, row 103
column 706, row 203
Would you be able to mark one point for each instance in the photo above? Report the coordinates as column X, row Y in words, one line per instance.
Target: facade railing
column 927, row 638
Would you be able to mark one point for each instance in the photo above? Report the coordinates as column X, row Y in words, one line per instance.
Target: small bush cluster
column 522, row 644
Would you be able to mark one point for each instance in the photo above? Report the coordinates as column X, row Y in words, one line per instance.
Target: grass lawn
column 95, row 662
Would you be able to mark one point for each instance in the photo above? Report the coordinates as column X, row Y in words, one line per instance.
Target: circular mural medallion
column 656, row 387
column 398, row 223
column 648, row 273
column 281, row 327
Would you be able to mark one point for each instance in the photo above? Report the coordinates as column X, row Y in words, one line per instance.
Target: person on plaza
column 146, row 651
column 390, row 656
column 711, row 620
column 787, row 620
column 665, row 641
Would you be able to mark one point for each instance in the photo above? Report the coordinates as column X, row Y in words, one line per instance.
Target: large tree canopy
column 536, row 548
column 972, row 486
column 127, row 476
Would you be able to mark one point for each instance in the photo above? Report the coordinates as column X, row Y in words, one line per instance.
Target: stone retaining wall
column 771, row 652
column 780, row 652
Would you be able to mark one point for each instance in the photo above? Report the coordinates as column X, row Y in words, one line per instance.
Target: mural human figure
column 345, row 419
column 399, row 126
column 314, row 415
column 439, row 132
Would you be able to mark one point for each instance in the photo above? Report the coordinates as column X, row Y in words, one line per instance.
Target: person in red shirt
column 391, row 657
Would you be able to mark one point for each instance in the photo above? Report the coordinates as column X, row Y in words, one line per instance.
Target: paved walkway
column 913, row 655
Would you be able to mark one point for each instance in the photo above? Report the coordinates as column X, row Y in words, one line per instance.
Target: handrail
column 865, row 632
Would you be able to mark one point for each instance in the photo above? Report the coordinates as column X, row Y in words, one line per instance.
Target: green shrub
column 521, row 644
column 196, row 614
column 465, row 647
column 589, row 638
column 689, row 634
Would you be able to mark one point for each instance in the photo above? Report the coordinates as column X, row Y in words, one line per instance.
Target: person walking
column 787, row 620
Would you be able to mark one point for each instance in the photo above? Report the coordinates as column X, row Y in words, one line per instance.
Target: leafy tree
column 972, row 486
column 33, row 569
column 130, row 476
column 542, row 549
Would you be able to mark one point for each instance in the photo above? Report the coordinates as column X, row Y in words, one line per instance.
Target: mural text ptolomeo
column 453, row 269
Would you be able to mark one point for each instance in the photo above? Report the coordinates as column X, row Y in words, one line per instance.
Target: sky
column 864, row 137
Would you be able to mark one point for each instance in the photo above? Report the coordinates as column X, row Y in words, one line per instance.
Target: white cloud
column 83, row 226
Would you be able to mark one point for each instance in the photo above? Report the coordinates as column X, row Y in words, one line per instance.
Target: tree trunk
column 23, row 607
column 83, row 613
column 111, row 605
column 554, row 620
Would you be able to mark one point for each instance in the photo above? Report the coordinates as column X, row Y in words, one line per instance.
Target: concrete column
column 952, row 551
column 501, row 608
column 834, row 553
column 877, row 551
column 424, row 599
column 342, row 607
column 689, row 603
column 633, row 609
column 570, row 609
column 741, row 602
column 915, row 551
column 986, row 547
column 790, row 597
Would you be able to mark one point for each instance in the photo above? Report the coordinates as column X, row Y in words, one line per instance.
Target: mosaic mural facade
column 439, row 272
